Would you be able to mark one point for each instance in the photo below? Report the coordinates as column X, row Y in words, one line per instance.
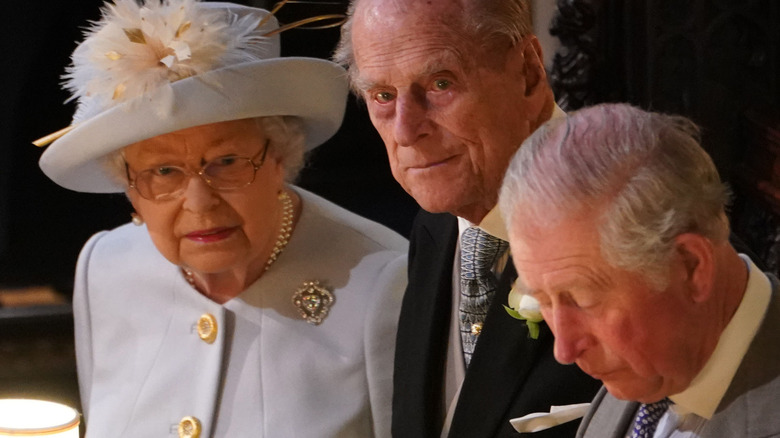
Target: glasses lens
column 227, row 173
column 160, row 182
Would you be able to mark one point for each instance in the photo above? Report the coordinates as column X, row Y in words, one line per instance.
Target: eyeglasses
column 224, row 173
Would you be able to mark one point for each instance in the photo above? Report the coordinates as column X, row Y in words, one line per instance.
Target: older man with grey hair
column 617, row 227
column 454, row 87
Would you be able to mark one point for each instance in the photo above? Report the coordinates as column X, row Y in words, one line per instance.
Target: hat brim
column 313, row 89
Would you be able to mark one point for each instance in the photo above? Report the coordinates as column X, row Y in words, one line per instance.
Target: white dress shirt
column 694, row 406
column 494, row 225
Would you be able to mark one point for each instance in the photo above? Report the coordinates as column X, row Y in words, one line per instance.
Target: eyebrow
column 430, row 66
column 433, row 64
column 362, row 85
column 149, row 154
column 586, row 282
column 219, row 141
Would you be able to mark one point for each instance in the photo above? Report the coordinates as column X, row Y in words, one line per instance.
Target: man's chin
column 621, row 391
column 633, row 391
column 434, row 204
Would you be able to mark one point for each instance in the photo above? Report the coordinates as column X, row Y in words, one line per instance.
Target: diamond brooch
column 313, row 302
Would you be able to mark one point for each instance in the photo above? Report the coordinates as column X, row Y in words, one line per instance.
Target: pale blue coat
column 142, row 366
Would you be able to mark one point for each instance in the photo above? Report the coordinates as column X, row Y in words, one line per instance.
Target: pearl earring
column 136, row 219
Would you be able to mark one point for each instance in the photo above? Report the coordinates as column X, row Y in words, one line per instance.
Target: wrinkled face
column 637, row 340
column 206, row 230
column 450, row 111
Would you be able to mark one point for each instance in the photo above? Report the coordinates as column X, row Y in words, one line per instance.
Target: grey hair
column 287, row 136
column 645, row 175
column 285, row 133
column 485, row 20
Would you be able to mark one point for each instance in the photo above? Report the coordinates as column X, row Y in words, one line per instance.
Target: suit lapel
column 503, row 357
column 748, row 407
column 423, row 327
column 608, row 417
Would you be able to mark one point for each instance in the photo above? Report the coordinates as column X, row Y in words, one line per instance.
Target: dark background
column 714, row 61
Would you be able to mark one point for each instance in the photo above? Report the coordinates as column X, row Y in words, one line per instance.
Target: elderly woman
column 235, row 304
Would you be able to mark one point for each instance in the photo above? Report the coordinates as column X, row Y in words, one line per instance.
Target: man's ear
column 696, row 255
column 525, row 61
column 535, row 75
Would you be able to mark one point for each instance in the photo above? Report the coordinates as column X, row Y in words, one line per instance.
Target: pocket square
column 539, row 421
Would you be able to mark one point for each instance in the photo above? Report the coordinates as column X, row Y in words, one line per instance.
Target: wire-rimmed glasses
column 223, row 173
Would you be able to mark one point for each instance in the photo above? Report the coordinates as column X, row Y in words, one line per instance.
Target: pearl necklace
column 285, row 231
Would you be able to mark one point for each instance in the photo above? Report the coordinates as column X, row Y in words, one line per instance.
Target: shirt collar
column 557, row 112
column 707, row 389
column 492, row 224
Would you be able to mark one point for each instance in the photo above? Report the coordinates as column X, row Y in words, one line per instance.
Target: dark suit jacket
column 510, row 375
column 748, row 409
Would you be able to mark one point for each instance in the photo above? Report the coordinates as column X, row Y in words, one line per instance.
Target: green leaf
column 533, row 329
column 513, row 313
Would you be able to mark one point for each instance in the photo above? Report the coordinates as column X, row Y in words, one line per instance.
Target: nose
column 571, row 336
column 198, row 196
column 411, row 118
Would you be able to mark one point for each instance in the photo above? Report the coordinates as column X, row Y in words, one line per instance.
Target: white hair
column 485, row 20
column 287, row 137
column 644, row 174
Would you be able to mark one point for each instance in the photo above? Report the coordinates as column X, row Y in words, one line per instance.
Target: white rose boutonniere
column 526, row 308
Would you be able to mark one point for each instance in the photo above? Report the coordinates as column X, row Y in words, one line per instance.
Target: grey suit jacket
column 748, row 409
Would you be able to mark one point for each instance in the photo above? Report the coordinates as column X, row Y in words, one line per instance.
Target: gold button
column 189, row 427
column 476, row 328
column 207, row 328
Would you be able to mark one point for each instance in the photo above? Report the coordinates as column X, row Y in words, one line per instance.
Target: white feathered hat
column 147, row 70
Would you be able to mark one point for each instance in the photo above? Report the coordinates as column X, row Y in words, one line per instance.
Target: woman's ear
column 132, row 196
column 696, row 255
column 279, row 170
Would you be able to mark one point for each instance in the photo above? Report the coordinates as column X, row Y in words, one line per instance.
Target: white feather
column 135, row 50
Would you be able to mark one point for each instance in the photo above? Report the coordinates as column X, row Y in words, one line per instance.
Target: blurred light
column 29, row 418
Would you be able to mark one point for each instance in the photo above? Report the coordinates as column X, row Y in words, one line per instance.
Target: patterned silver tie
column 479, row 251
column 647, row 418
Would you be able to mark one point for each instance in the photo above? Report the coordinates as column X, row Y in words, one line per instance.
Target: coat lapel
column 502, row 360
column 421, row 344
column 608, row 417
column 497, row 384
column 748, row 407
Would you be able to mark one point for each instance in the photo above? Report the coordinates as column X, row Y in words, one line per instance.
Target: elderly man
column 617, row 226
column 454, row 87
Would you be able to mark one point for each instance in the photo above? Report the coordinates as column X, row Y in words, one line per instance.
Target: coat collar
column 501, row 362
